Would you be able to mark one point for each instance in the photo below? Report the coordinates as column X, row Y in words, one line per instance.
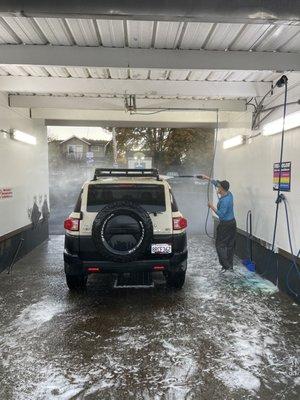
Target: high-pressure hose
column 249, row 234
column 282, row 81
column 294, row 258
column 281, row 198
column 210, row 175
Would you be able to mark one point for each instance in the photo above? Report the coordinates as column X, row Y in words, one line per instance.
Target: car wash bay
column 233, row 336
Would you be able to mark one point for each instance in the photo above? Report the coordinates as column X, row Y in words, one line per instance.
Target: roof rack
column 124, row 172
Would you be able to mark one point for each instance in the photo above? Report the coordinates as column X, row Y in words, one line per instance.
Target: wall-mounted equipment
column 291, row 121
column 282, row 173
column 23, row 137
column 234, row 141
column 130, row 103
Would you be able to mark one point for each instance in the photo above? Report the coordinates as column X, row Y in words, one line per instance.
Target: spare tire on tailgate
column 122, row 231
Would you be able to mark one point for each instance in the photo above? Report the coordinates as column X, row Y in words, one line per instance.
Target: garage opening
column 75, row 153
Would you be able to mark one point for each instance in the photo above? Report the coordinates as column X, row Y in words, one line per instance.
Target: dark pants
column 225, row 242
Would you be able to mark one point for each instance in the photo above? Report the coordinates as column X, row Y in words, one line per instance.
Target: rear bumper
column 75, row 265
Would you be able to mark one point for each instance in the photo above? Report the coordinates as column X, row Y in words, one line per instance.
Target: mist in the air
column 67, row 178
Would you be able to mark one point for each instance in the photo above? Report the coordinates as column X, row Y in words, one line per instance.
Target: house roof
column 90, row 142
column 75, row 137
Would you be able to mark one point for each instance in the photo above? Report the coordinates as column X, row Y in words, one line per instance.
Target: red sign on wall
column 6, row 193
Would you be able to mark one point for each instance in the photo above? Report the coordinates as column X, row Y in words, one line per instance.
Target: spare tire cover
column 122, row 231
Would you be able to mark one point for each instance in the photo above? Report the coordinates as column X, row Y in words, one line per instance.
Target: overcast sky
column 64, row 132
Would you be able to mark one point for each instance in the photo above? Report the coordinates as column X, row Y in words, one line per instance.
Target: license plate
column 161, row 248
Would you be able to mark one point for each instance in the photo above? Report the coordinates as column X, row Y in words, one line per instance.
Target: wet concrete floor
column 228, row 336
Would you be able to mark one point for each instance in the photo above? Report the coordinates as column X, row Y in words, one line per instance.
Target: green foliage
column 184, row 149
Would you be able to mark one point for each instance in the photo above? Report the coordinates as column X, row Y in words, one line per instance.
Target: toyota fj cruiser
column 125, row 221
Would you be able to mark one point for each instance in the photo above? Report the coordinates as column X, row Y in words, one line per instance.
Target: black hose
column 294, row 258
column 280, row 166
column 249, row 234
column 279, row 195
column 15, row 255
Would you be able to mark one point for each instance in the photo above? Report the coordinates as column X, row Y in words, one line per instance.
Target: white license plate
column 161, row 248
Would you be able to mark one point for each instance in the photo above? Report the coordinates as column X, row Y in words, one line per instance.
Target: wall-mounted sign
column 285, row 181
column 6, row 193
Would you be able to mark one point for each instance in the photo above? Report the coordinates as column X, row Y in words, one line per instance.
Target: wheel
column 122, row 231
column 175, row 279
column 76, row 283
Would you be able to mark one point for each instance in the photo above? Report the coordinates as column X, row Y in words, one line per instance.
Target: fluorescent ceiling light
column 23, row 137
column 291, row 121
column 233, row 142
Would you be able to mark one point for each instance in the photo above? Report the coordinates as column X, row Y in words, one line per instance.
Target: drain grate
column 134, row 280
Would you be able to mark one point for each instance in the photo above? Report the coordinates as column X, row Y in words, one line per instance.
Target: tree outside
column 184, row 150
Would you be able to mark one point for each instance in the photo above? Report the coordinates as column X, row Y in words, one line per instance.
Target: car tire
column 76, row 283
column 176, row 279
column 124, row 209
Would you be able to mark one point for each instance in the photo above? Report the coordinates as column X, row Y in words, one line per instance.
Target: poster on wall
column 6, row 193
column 285, row 181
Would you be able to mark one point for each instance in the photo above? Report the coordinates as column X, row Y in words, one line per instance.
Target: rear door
column 154, row 198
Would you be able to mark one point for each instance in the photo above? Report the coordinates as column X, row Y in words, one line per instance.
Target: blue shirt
column 225, row 206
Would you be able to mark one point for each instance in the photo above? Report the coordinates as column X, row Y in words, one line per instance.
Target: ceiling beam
column 122, row 118
column 100, row 103
column 104, row 57
column 129, row 86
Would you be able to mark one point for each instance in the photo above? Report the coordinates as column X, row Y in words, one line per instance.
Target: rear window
column 150, row 197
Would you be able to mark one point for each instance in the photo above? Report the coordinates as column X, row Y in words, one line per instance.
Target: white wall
column 249, row 169
column 23, row 167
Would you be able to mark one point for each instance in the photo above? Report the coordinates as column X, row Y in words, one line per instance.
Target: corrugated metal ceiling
column 145, row 34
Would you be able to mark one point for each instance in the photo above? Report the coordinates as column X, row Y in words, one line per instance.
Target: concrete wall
column 23, row 168
column 249, row 169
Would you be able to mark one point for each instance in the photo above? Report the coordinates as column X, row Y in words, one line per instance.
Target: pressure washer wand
column 190, row 176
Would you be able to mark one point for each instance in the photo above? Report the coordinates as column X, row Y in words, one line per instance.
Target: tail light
column 93, row 269
column 159, row 267
column 71, row 224
column 179, row 223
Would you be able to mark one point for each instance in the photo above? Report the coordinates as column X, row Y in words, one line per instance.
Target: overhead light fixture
column 23, row 137
column 291, row 121
column 233, row 142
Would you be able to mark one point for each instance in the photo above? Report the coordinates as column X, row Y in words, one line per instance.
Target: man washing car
column 226, row 230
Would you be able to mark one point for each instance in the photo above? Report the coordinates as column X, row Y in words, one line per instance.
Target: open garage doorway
column 75, row 152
